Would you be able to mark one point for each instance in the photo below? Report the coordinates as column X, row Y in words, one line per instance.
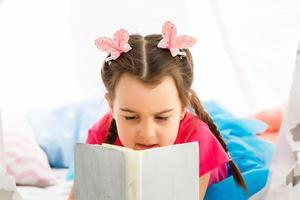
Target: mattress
column 60, row 191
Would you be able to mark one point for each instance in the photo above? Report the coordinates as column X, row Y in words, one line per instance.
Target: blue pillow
column 58, row 129
column 70, row 173
column 251, row 154
column 226, row 189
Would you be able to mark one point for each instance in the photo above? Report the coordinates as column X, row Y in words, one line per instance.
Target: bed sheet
column 60, row 191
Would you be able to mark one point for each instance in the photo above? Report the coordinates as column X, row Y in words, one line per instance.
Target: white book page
column 133, row 160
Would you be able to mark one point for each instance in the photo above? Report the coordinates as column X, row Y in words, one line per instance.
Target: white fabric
column 260, row 38
column 30, row 167
column 244, row 50
column 60, row 191
column 7, row 183
column 1, row 144
column 8, row 187
column 285, row 166
column 37, row 70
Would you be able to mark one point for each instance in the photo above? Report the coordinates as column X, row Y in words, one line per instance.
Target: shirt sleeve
column 98, row 132
column 211, row 153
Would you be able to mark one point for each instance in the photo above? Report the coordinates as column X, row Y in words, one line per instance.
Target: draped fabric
column 243, row 57
column 260, row 39
column 1, row 144
column 284, row 180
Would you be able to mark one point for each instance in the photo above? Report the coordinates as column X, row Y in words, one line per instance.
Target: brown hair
column 151, row 64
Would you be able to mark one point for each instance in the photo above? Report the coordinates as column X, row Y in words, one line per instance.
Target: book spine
column 133, row 187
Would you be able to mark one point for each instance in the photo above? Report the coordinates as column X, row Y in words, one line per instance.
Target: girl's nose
column 147, row 130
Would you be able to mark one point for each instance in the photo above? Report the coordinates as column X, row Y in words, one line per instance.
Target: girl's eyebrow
column 164, row 111
column 127, row 110
column 158, row 113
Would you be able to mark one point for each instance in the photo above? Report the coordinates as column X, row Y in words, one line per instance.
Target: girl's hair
column 150, row 64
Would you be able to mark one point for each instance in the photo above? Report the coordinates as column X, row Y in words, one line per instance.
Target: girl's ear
column 183, row 113
column 184, row 109
column 110, row 103
column 190, row 96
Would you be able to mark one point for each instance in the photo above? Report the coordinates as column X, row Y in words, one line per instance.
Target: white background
column 244, row 55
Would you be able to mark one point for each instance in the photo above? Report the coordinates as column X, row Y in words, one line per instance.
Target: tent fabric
column 1, row 144
column 284, row 180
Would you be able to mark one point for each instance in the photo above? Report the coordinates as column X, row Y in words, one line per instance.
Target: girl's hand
column 203, row 182
column 71, row 195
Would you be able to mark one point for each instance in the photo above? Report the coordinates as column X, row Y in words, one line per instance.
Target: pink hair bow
column 174, row 43
column 116, row 46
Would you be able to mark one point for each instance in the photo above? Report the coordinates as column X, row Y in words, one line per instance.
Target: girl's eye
column 162, row 118
column 130, row 117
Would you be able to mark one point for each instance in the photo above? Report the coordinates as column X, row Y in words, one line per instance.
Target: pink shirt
column 212, row 157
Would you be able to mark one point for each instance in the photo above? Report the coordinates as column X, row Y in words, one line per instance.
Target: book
column 110, row 172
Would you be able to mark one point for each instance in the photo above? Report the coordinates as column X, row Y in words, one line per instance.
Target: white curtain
column 36, row 54
column 284, row 180
column 243, row 57
column 1, row 144
column 260, row 38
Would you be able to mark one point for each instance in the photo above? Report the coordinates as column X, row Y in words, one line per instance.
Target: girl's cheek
column 168, row 134
column 127, row 134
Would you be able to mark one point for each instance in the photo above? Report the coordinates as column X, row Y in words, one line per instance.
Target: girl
column 148, row 81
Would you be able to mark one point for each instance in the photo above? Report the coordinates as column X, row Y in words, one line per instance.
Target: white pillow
column 24, row 159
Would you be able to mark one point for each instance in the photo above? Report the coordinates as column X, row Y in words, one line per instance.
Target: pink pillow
column 26, row 161
column 272, row 117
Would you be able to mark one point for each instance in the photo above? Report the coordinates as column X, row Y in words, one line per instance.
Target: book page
column 99, row 173
column 171, row 172
column 133, row 170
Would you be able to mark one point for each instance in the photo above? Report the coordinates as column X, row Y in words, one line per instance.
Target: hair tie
column 116, row 46
column 174, row 43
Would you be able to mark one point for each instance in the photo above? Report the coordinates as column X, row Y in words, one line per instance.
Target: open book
column 109, row 172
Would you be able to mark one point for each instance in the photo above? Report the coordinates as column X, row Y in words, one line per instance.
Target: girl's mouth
column 143, row 147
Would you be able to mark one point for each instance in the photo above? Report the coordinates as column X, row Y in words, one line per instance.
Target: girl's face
column 146, row 116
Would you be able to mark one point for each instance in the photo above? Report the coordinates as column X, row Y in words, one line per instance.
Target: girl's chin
column 143, row 147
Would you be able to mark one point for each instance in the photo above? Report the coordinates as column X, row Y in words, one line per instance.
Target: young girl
column 148, row 81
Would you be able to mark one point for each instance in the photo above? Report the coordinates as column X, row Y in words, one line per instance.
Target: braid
column 196, row 104
column 112, row 133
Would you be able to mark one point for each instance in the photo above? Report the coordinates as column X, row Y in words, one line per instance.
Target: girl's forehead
column 135, row 93
column 128, row 83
